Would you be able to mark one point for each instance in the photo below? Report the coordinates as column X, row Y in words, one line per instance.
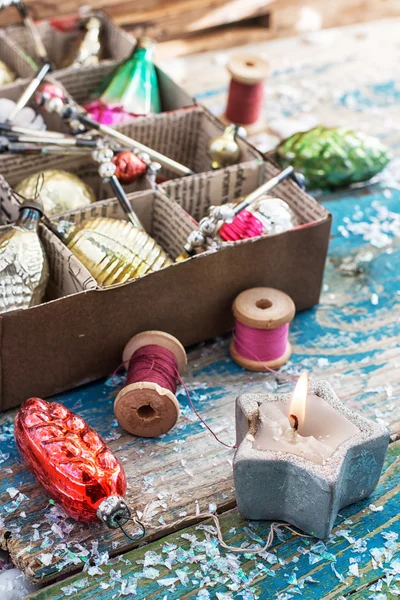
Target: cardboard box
column 79, row 334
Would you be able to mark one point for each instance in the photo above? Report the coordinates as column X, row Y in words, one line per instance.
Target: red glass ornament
column 245, row 225
column 72, row 462
column 48, row 90
column 129, row 166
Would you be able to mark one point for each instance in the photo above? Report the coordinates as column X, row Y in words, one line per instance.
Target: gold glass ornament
column 59, row 191
column 114, row 251
column 86, row 49
column 24, row 270
column 7, row 75
column 224, row 149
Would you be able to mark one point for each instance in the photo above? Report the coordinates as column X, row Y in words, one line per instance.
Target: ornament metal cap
column 113, row 512
column 32, row 204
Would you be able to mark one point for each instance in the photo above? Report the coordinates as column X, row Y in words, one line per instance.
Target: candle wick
column 295, row 423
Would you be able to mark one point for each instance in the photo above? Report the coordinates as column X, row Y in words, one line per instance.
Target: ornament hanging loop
column 137, row 522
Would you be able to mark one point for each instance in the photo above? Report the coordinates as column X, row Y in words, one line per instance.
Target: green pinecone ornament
column 330, row 158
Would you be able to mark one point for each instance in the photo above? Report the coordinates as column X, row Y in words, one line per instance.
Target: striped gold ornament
column 115, row 251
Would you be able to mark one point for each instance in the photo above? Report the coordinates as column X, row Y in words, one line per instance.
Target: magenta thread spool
column 147, row 405
column 261, row 334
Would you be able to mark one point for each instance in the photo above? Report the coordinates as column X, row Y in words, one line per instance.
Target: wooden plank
column 287, row 569
column 181, row 18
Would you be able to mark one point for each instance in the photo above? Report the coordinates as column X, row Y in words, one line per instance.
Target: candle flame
column 299, row 399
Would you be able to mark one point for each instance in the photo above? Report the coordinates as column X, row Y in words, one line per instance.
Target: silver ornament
column 207, row 226
column 102, row 155
column 55, row 105
column 107, row 169
column 275, row 214
column 196, row 239
column 144, row 157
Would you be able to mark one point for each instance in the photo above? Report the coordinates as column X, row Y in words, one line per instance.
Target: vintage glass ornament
column 24, row 270
column 129, row 167
column 266, row 216
column 130, row 91
column 86, row 48
column 60, row 191
column 330, row 158
column 224, row 149
column 71, row 462
column 113, row 250
column 7, row 75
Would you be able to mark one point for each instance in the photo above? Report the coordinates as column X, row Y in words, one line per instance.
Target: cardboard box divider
column 182, row 135
column 15, row 58
column 196, row 193
column 16, row 168
column 117, row 43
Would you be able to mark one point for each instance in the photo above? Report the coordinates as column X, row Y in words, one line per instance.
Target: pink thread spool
column 145, row 408
column 261, row 338
column 246, row 90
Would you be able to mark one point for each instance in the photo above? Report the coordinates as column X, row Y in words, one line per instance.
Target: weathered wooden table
column 347, row 76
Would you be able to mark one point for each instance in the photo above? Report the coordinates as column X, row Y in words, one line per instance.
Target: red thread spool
column 147, row 405
column 262, row 328
column 246, row 90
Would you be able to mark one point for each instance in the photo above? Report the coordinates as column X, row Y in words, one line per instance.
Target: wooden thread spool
column 267, row 310
column 145, row 408
column 246, row 90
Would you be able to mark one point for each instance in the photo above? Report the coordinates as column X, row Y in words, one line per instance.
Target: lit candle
column 307, row 426
column 306, row 475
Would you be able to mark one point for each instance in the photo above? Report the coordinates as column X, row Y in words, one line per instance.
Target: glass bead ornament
column 331, row 158
column 71, row 461
column 129, row 167
column 224, row 149
column 24, row 270
column 60, row 191
column 265, row 216
column 131, row 90
column 113, row 250
column 86, row 49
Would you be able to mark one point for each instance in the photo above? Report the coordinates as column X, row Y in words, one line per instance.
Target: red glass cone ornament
column 72, row 462
column 129, row 166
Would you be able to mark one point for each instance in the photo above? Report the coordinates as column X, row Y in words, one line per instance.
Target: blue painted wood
column 351, row 339
column 364, row 537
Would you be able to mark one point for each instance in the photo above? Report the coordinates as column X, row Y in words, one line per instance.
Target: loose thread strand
column 207, row 515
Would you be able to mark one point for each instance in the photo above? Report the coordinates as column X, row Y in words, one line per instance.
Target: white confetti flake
column 375, row 508
column 353, row 570
column 374, row 299
column 12, row 492
column 46, row 558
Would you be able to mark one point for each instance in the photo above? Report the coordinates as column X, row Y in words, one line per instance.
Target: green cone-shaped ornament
column 130, row 91
column 330, row 158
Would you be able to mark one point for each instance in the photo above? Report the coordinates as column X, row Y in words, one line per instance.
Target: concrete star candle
column 302, row 458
